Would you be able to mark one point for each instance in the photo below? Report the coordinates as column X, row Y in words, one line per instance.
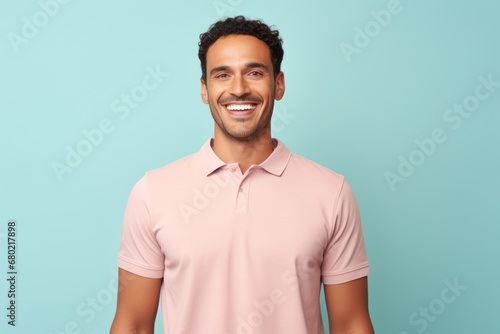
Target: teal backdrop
column 401, row 97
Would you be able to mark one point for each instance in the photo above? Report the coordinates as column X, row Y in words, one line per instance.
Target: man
column 238, row 237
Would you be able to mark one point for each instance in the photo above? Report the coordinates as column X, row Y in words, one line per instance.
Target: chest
column 270, row 233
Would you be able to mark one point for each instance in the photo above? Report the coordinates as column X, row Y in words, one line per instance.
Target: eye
column 255, row 73
column 222, row 76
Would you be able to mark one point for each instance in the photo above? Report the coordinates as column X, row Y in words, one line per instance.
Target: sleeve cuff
column 350, row 274
column 139, row 269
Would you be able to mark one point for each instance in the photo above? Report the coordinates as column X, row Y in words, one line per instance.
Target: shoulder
column 314, row 172
column 178, row 169
column 167, row 178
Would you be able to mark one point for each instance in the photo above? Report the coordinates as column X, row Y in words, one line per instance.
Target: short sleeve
column 139, row 251
column 345, row 255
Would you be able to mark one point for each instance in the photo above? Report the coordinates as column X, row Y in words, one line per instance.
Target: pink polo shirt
column 243, row 253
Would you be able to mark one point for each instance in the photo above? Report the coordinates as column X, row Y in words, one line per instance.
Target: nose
column 239, row 86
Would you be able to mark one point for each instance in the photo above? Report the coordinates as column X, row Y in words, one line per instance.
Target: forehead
column 233, row 50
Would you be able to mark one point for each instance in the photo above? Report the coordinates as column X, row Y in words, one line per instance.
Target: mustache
column 241, row 99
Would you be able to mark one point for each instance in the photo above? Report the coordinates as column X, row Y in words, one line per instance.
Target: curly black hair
column 239, row 25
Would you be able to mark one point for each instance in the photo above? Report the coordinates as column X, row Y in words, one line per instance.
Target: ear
column 204, row 92
column 279, row 86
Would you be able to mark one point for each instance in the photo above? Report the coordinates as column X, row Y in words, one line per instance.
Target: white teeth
column 240, row 107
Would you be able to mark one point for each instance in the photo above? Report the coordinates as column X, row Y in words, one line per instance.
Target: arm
column 137, row 304
column 347, row 305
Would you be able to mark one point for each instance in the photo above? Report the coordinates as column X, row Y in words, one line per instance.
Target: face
column 240, row 87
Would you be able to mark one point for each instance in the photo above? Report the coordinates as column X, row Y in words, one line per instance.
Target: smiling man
column 238, row 237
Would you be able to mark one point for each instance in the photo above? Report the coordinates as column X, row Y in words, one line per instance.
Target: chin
column 246, row 136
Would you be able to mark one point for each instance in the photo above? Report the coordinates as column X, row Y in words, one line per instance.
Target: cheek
column 213, row 94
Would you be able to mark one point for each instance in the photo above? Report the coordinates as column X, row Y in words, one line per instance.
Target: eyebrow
column 247, row 66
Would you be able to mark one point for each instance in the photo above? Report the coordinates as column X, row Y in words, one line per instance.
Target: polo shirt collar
column 274, row 164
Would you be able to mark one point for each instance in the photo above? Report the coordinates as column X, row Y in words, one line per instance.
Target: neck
column 245, row 153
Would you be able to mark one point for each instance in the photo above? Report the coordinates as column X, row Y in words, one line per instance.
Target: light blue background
column 355, row 117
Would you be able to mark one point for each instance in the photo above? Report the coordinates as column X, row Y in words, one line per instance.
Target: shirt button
column 241, row 190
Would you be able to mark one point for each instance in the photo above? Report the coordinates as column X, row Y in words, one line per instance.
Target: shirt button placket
column 241, row 201
column 242, row 194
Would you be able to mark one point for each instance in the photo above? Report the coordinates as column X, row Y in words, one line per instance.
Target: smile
column 240, row 107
